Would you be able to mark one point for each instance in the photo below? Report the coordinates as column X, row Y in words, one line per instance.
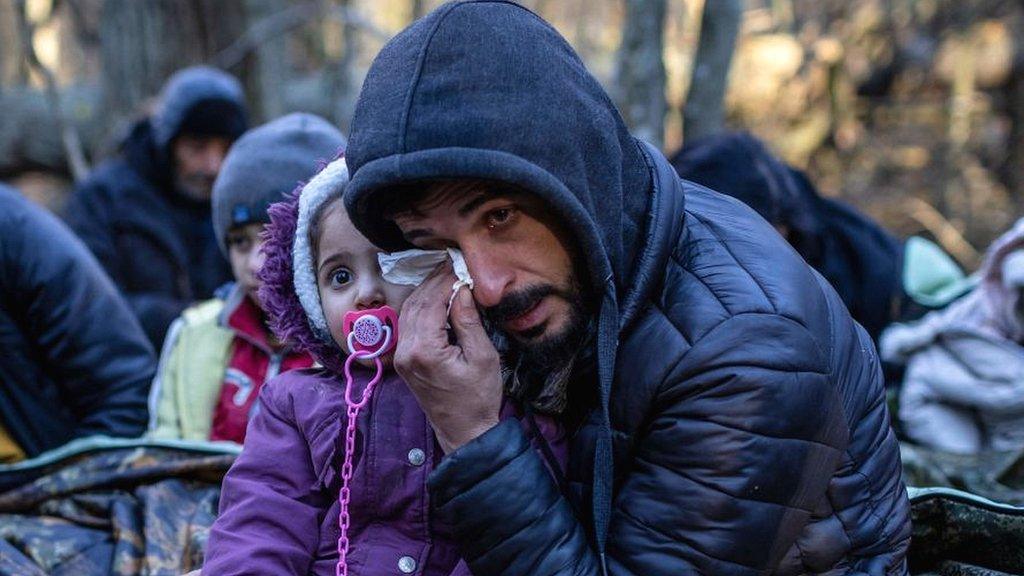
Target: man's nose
column 212, row 160
column 492, row 278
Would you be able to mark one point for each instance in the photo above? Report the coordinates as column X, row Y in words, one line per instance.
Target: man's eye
column 341, row 277
column 500, row 217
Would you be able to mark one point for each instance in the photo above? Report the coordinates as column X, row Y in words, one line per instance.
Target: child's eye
column 241, row 243
column 500, row 217
column 340, row 277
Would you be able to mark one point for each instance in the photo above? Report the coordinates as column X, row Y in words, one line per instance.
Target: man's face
column 197, row 160
column 521, row 260
column 246, row 257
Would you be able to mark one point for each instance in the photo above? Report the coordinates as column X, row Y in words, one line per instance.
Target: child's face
column 347, row 274
column 246, row 256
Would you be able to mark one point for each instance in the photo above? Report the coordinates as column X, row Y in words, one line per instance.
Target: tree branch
column 944, row 231
column 290, row 18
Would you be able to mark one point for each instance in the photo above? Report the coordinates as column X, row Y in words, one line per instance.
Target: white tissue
column 411, row 268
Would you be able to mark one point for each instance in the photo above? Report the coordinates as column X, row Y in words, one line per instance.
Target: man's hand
column 457, row 385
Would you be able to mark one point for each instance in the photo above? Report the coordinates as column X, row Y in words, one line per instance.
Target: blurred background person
column 73, row 360
column 858, row 257
column 220, row 352
column 964, row 385
column 146, row 214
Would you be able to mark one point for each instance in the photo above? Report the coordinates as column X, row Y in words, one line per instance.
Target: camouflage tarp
column 959, row 534
column 965, row 531
column 123, row 507
column 104, row 506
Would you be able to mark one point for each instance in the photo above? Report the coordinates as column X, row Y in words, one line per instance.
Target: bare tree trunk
column 640, row 70
column 344, row 87
column 13, row 70
column 1013, row 166
column 419, row 9
column 142, row 43
column 271, row 73
column 704, row 111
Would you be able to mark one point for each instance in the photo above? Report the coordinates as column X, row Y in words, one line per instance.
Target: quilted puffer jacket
column 73, row 360
column 739, row 426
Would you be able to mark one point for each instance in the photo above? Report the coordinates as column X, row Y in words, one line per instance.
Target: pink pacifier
column 371, row 333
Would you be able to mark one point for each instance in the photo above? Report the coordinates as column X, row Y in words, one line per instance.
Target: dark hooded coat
column 156, row 244
column 73, row 360
column 740, row 426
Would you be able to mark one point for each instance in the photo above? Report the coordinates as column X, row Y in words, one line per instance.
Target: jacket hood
column 140, row 150
column 283, row 295
column 218, row 92
column 486, row 89
column 990, row 310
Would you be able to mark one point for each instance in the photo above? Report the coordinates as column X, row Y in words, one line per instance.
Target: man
column 146, row 214
column 73, row 360
column 725, row 414
column 862, row 261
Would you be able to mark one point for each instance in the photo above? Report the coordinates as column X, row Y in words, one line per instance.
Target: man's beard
column 537, row 368
column 196, row 186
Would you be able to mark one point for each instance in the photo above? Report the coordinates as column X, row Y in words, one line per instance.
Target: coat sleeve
column 87, row 214
column 164, row 419
column 87, row 339
column 269, row 520
column 740, row 445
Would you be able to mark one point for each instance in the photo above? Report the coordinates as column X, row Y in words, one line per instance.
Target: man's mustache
column 201, row 179
column 518, row 303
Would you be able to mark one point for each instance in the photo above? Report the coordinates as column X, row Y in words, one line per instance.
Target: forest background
column 910, row 110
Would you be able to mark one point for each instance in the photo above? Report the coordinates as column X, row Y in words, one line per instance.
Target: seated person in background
column 73, row 360
column 964, row 385
column 146, row 214
column 219, row 353
column 862, row 261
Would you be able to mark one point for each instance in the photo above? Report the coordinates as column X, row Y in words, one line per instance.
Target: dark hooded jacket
column 862, row 261
column 740, row 426
column 157, row 244
column 73, row 360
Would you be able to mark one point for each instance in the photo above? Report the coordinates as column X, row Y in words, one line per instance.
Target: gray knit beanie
column 267, row 163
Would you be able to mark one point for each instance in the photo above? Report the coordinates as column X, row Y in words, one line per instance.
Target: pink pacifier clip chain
column 352, row 411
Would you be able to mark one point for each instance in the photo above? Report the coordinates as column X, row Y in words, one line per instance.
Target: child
column 219, row 353
column 279, row 509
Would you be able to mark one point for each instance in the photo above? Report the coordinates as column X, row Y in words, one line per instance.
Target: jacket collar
column 665, row 223
column 243, row 317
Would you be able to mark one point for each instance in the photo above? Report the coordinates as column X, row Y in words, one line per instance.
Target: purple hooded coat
column 279, row 503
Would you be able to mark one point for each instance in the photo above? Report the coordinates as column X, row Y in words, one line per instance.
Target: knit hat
column 199, row 100
column 267, row 163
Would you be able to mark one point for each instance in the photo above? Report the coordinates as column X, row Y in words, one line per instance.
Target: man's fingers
column 469, row 330
column 424, row 309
